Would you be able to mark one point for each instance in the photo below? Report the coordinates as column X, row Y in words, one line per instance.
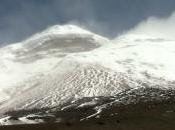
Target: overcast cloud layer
column 22, row 18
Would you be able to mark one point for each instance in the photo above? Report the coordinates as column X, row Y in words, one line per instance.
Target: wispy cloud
column 22, row 18
column 156, row 27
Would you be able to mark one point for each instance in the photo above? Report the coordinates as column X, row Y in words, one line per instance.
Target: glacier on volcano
column 67, row 63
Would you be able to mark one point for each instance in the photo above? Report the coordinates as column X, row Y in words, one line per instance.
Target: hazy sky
column 22, row 18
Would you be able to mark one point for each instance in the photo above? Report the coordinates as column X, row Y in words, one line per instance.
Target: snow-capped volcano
column 65, row 64
column 38, row 55
column 42, row 51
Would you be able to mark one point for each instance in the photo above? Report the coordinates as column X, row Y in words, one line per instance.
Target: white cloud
column 156, row 27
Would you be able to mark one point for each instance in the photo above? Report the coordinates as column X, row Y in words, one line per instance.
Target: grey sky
column 21, row 18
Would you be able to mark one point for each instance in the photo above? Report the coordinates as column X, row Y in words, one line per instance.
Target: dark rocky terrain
column 139, row 109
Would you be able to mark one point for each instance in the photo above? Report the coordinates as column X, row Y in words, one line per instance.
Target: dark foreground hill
column 139, row 109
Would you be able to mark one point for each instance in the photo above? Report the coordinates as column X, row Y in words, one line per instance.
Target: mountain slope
column 66, row 64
